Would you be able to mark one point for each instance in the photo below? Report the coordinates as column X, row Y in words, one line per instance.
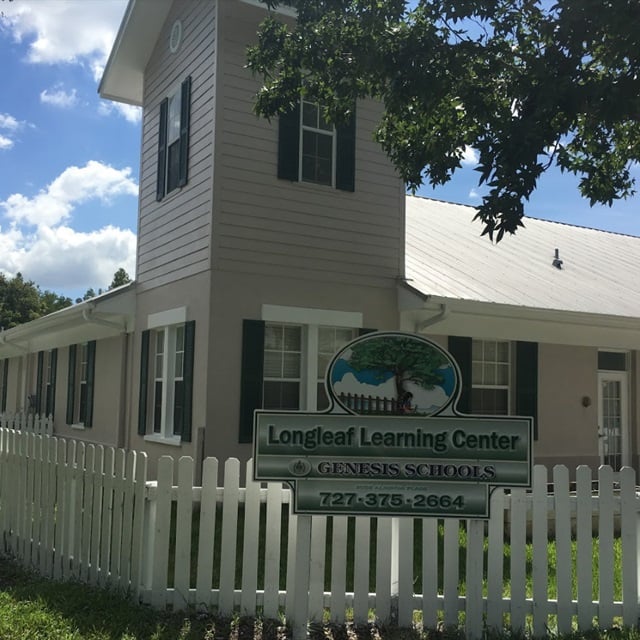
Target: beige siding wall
column 108, row 394
column 274, row 228
column 190, row 293
column 174, row 234
column 15, row 399
column 568, row 431
column 245, row 295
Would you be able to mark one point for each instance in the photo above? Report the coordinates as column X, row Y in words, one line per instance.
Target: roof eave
column 123, row 77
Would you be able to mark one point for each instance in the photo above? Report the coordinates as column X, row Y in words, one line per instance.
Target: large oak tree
column 527, row 83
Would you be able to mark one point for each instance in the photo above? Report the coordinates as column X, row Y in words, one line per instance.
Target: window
column 46, row 382
column 292, row 351
column 166, row 382
column 312, row 150
column 317, row 146
column 490, row 377
column 4, row 382
column 80, row 385
column 284, row 362
column 173, row 140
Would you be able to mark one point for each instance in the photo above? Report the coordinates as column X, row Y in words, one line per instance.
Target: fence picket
column 105, row 532
column 562, row 521
column 138, row 531
column 361, row 566
column 122, row 569
column 451, row 568
column 207, row 532
column 383, row 568
column 405, row 571
column 584, row 546
column 630, row 541
column 112, row 571
column 540, row 534
column 429, row 573
column 518, row 569
column 77, row 488
column 474, row 573
column 162, row 529
column 184, row 523
column 605, row 546
column 495, row 562
column 316, row 567
column 272, row 549
column 229, row 536
column 337, row 599
column 249, row 582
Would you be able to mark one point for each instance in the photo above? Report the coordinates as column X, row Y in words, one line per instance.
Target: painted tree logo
column 392, row 373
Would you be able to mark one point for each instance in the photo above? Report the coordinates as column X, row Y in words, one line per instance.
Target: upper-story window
column 173, row 140
column 310, row 149
column 491, row 374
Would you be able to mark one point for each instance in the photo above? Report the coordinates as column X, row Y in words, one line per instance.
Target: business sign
column 392, row 442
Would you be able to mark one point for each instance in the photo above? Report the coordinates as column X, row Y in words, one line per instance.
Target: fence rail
column 86, row 512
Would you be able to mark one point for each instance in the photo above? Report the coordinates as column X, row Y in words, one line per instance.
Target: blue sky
column 69, row 161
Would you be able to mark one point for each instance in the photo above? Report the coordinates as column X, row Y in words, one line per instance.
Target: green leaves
column 525, row 83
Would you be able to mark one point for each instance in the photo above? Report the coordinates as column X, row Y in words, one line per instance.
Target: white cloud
column 74, row 186
column 474, row 195
column 70, row 31
column 62, row 259
column 5, row 143
column 8, row 122
column 470, row 156
column 128, row 111
column 58, row 97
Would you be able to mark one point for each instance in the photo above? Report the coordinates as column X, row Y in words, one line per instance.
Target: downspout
column 439, row 317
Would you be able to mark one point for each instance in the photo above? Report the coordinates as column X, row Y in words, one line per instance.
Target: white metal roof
column 447, row 257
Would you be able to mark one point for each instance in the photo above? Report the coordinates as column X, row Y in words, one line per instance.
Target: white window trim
column 311, row 321
column 333, row 134
column 510, row 386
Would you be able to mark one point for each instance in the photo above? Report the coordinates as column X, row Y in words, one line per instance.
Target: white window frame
column 165, row 324
column 483, row 361
column 311, row 321
column 318, row 131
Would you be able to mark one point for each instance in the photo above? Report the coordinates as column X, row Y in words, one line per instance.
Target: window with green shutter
column 166, row 382
column 46, row 382
column 312, row 150
column 173, row 140
column 81, row 383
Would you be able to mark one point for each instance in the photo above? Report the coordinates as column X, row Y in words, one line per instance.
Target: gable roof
column 447, row 257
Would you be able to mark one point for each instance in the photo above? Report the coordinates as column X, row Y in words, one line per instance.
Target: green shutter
column 91, row 377
column 252, row 372
column 527, row 382
column 54, row 372
column 185, row 117
column 346, row 155
column 39, row 377
column 189, row 352
column 5, row 381
column 289, row 144
column 460, row 348
column 71, row 382
column 162, row 149
column 144, row 383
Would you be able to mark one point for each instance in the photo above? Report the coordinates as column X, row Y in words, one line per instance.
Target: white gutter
column 15, row 345
column 88, row 316
column 429, row 322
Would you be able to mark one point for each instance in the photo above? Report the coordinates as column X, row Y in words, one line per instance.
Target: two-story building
column 264, row 247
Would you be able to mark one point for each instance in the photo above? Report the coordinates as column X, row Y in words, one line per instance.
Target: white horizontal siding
column 174, row 234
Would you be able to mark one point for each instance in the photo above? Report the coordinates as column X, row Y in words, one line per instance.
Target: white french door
column 613, row 418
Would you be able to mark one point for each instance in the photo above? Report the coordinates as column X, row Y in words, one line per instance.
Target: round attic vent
column 175, row 38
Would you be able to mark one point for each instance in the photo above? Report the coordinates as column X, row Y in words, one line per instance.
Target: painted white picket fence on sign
column 88, row 512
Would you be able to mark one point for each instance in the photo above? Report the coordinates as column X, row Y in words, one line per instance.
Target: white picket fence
column 86, row 512
column 27, row 422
